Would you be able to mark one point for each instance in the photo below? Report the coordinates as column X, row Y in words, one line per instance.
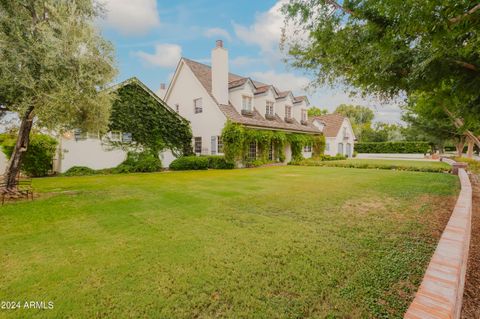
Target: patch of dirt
column 364, row 206
column 440, row 210
column 471, row 295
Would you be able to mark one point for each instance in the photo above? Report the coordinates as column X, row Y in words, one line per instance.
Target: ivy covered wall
column 154, row 127
column 237, row 138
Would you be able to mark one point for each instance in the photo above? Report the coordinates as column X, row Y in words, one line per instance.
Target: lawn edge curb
column 441, row 291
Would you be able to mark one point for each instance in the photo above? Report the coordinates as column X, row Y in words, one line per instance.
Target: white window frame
column 307, row 148
column 304, row 115
column 269, row 108
column 198, row 105
column 115, row 136
column 247, row 103
column 195, row 139
column 219, row 145
column 250, row 153
column 288, row 111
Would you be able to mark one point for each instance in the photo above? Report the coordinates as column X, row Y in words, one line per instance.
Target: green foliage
column 219, row 162
column 54, row 60
column 318, row 146
column 321, row 158
column 392, row 147
column 39, row 156
column 154, row 127
column 434, row 167
column 80, row 171
column 473, row 165
column 233, row 136
column 382, row 132
column 297, row 143
column 386, row 48
column 315, row 111
column 360, row 117
column 190, row 163
column 140, row 163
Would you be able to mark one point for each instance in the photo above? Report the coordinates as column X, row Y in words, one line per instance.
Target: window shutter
column 214, row 145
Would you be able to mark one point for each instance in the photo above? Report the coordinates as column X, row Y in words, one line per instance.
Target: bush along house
column 248, row 121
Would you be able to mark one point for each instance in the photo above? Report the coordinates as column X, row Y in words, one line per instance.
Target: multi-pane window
column 252, row 151
column 198, row 145
column 327, row 147
column 307, row 148
column 213, row 145
column 197, row 104
column 288, row 112
column 271, row 152
column 304, row 115
column 126, row 137
column 219, row 145
column 269, row 108
column 247, row 103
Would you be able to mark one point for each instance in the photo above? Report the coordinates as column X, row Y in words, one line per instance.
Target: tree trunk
column 458, row 122
column 23, row 139
column 470, row 148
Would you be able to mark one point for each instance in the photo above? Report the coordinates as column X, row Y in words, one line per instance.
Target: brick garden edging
column 441, row 292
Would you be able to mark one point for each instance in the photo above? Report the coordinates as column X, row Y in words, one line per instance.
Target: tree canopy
column 316, row 111
column 387, row 48
column 54, row 65
column 361, row 117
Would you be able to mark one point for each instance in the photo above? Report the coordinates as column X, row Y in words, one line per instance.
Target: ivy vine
column 237, row 138
column 153, row 126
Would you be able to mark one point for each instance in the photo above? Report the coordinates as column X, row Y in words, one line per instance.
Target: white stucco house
column 338, row 131
column 208, row 96
column 78, row 148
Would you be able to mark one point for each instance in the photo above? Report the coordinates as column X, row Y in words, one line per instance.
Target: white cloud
column 283, row 81
column 243, row 61
column 165, row 55
column 217, row 33
column 266, row 31
column 131, row 17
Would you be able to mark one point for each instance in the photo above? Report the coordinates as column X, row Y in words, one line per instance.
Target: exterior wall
column 89, row 152
column 183, row 91
column 93, row 154
column 339, row 139
column 288, row 152
column 297, row 110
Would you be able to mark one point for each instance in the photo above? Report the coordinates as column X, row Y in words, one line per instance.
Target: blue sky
column 150, row 36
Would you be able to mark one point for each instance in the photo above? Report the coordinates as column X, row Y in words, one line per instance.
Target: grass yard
column 278, row 242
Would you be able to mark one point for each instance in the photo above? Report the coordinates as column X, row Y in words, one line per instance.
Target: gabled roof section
column 333, row 123
column 299, row 99
column 135, row 80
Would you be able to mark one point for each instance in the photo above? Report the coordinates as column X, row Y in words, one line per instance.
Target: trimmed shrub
column 190, row 163
column 79, row 171
column 219, row 162
column 139, row 163
column 392, row 147
column 38, row 160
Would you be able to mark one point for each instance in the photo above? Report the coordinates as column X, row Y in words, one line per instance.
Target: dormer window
column 247, row 103
column 288, row 112
column 269, row 111
column 197, row 104
column 304, row 115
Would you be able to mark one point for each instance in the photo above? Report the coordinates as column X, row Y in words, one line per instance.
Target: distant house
column 77, row 148
column 209, row 96
column 338, row 131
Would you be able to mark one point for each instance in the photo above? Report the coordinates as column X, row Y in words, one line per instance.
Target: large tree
column 54, row 65
column 389, row 48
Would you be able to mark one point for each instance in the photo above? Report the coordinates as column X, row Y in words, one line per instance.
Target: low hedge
column 392, row 147
column 219, row 162
column 79, row 171
column 189, row 163
column 321, row 158
column 200, row 163
column 351, row 164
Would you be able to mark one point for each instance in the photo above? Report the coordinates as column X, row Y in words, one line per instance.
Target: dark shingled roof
column 204, row 75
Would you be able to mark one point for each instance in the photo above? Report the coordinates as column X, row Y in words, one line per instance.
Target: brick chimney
column 220, row 73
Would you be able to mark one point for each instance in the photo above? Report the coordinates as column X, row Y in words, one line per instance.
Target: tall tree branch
column 339, row 7
column 462, row 16
column 466, row 65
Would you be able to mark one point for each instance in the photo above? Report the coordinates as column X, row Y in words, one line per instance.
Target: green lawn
column 279, row 242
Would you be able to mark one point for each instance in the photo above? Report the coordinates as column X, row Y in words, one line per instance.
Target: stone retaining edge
column 441, row 291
